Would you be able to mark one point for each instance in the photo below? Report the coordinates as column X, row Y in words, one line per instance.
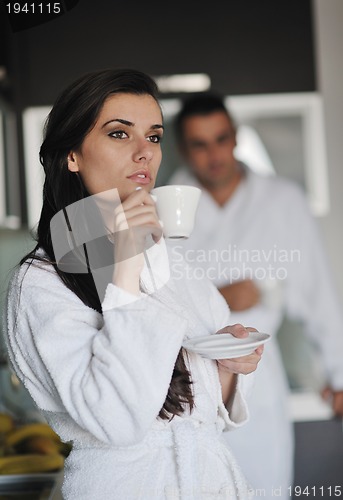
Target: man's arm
column 241, row 295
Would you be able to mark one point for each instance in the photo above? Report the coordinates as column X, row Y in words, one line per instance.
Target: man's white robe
column 266, row 232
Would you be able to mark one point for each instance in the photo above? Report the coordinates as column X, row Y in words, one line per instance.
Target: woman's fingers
column 137, row 198
column 242, row 365
column 259, row 350
column 135, row 205
column 139, row 211
column 237, row 330
column 134, row 220
column 138, row 215
column 142, row 221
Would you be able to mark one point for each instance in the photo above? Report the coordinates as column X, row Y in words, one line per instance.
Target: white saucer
column 225, row 345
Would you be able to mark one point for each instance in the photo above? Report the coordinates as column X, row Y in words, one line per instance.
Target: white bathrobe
column 101, row 380
column 266, row 231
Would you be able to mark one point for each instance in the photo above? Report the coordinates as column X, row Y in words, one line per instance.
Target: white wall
column 328, row 22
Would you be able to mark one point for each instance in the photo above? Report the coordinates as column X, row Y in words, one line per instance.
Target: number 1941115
column 315, row 491
column 34, row 8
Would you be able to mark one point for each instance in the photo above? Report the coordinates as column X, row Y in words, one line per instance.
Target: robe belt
column 185, row 435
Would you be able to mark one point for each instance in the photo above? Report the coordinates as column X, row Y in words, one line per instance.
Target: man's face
column 208, row 147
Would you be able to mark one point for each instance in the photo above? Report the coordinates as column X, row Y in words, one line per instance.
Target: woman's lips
column 140, row 177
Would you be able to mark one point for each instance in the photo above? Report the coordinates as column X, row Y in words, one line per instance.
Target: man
column 256, row 239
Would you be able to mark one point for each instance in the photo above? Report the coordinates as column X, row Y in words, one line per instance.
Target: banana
column 39, row 444
column 31, row 463
column 25, row 431
column 6, row 422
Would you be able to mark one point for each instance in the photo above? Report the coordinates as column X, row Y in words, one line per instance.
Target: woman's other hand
column 228, row 369
column 243, row 364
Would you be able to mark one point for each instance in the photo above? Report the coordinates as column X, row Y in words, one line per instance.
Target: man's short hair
column 200, row 104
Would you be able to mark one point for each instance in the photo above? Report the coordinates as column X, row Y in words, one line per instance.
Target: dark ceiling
column 245, row 46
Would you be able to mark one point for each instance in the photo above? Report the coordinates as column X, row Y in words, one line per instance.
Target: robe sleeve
column 311, row 295
column 236, row 413
column 110, row 372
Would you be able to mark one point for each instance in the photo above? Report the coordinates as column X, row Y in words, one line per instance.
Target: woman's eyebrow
column 130, row 124
column 120, row 120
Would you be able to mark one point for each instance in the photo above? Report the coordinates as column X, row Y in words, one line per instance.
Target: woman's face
column 123, row 148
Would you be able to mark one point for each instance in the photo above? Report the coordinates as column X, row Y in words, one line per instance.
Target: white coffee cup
column 176, row 207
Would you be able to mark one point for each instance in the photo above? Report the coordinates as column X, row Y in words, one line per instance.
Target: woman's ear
column 72, row 162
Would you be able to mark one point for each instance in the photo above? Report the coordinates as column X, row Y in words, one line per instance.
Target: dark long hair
column 71, row 118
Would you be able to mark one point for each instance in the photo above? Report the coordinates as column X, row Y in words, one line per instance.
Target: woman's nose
column 144, row 152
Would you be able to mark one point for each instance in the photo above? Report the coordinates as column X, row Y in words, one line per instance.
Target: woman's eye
column 155, row 138
column 118, row 134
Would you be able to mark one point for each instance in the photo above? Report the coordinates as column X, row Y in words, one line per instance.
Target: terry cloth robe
column 266, row 231
column 101, row 380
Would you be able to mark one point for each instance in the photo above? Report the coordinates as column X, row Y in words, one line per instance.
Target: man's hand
column 336, row 400
column 241, row 295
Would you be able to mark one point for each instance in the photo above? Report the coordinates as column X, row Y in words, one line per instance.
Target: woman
column 103, row 361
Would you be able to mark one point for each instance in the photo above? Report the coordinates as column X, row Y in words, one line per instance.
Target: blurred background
column 279, row 64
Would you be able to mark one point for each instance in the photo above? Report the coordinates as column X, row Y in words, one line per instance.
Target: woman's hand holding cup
column 134, row 220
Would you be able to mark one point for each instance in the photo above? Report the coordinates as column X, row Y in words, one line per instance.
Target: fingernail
column 138, row 188
column 154, row 197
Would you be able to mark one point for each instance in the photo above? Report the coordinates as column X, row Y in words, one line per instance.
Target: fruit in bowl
column 30, row 448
